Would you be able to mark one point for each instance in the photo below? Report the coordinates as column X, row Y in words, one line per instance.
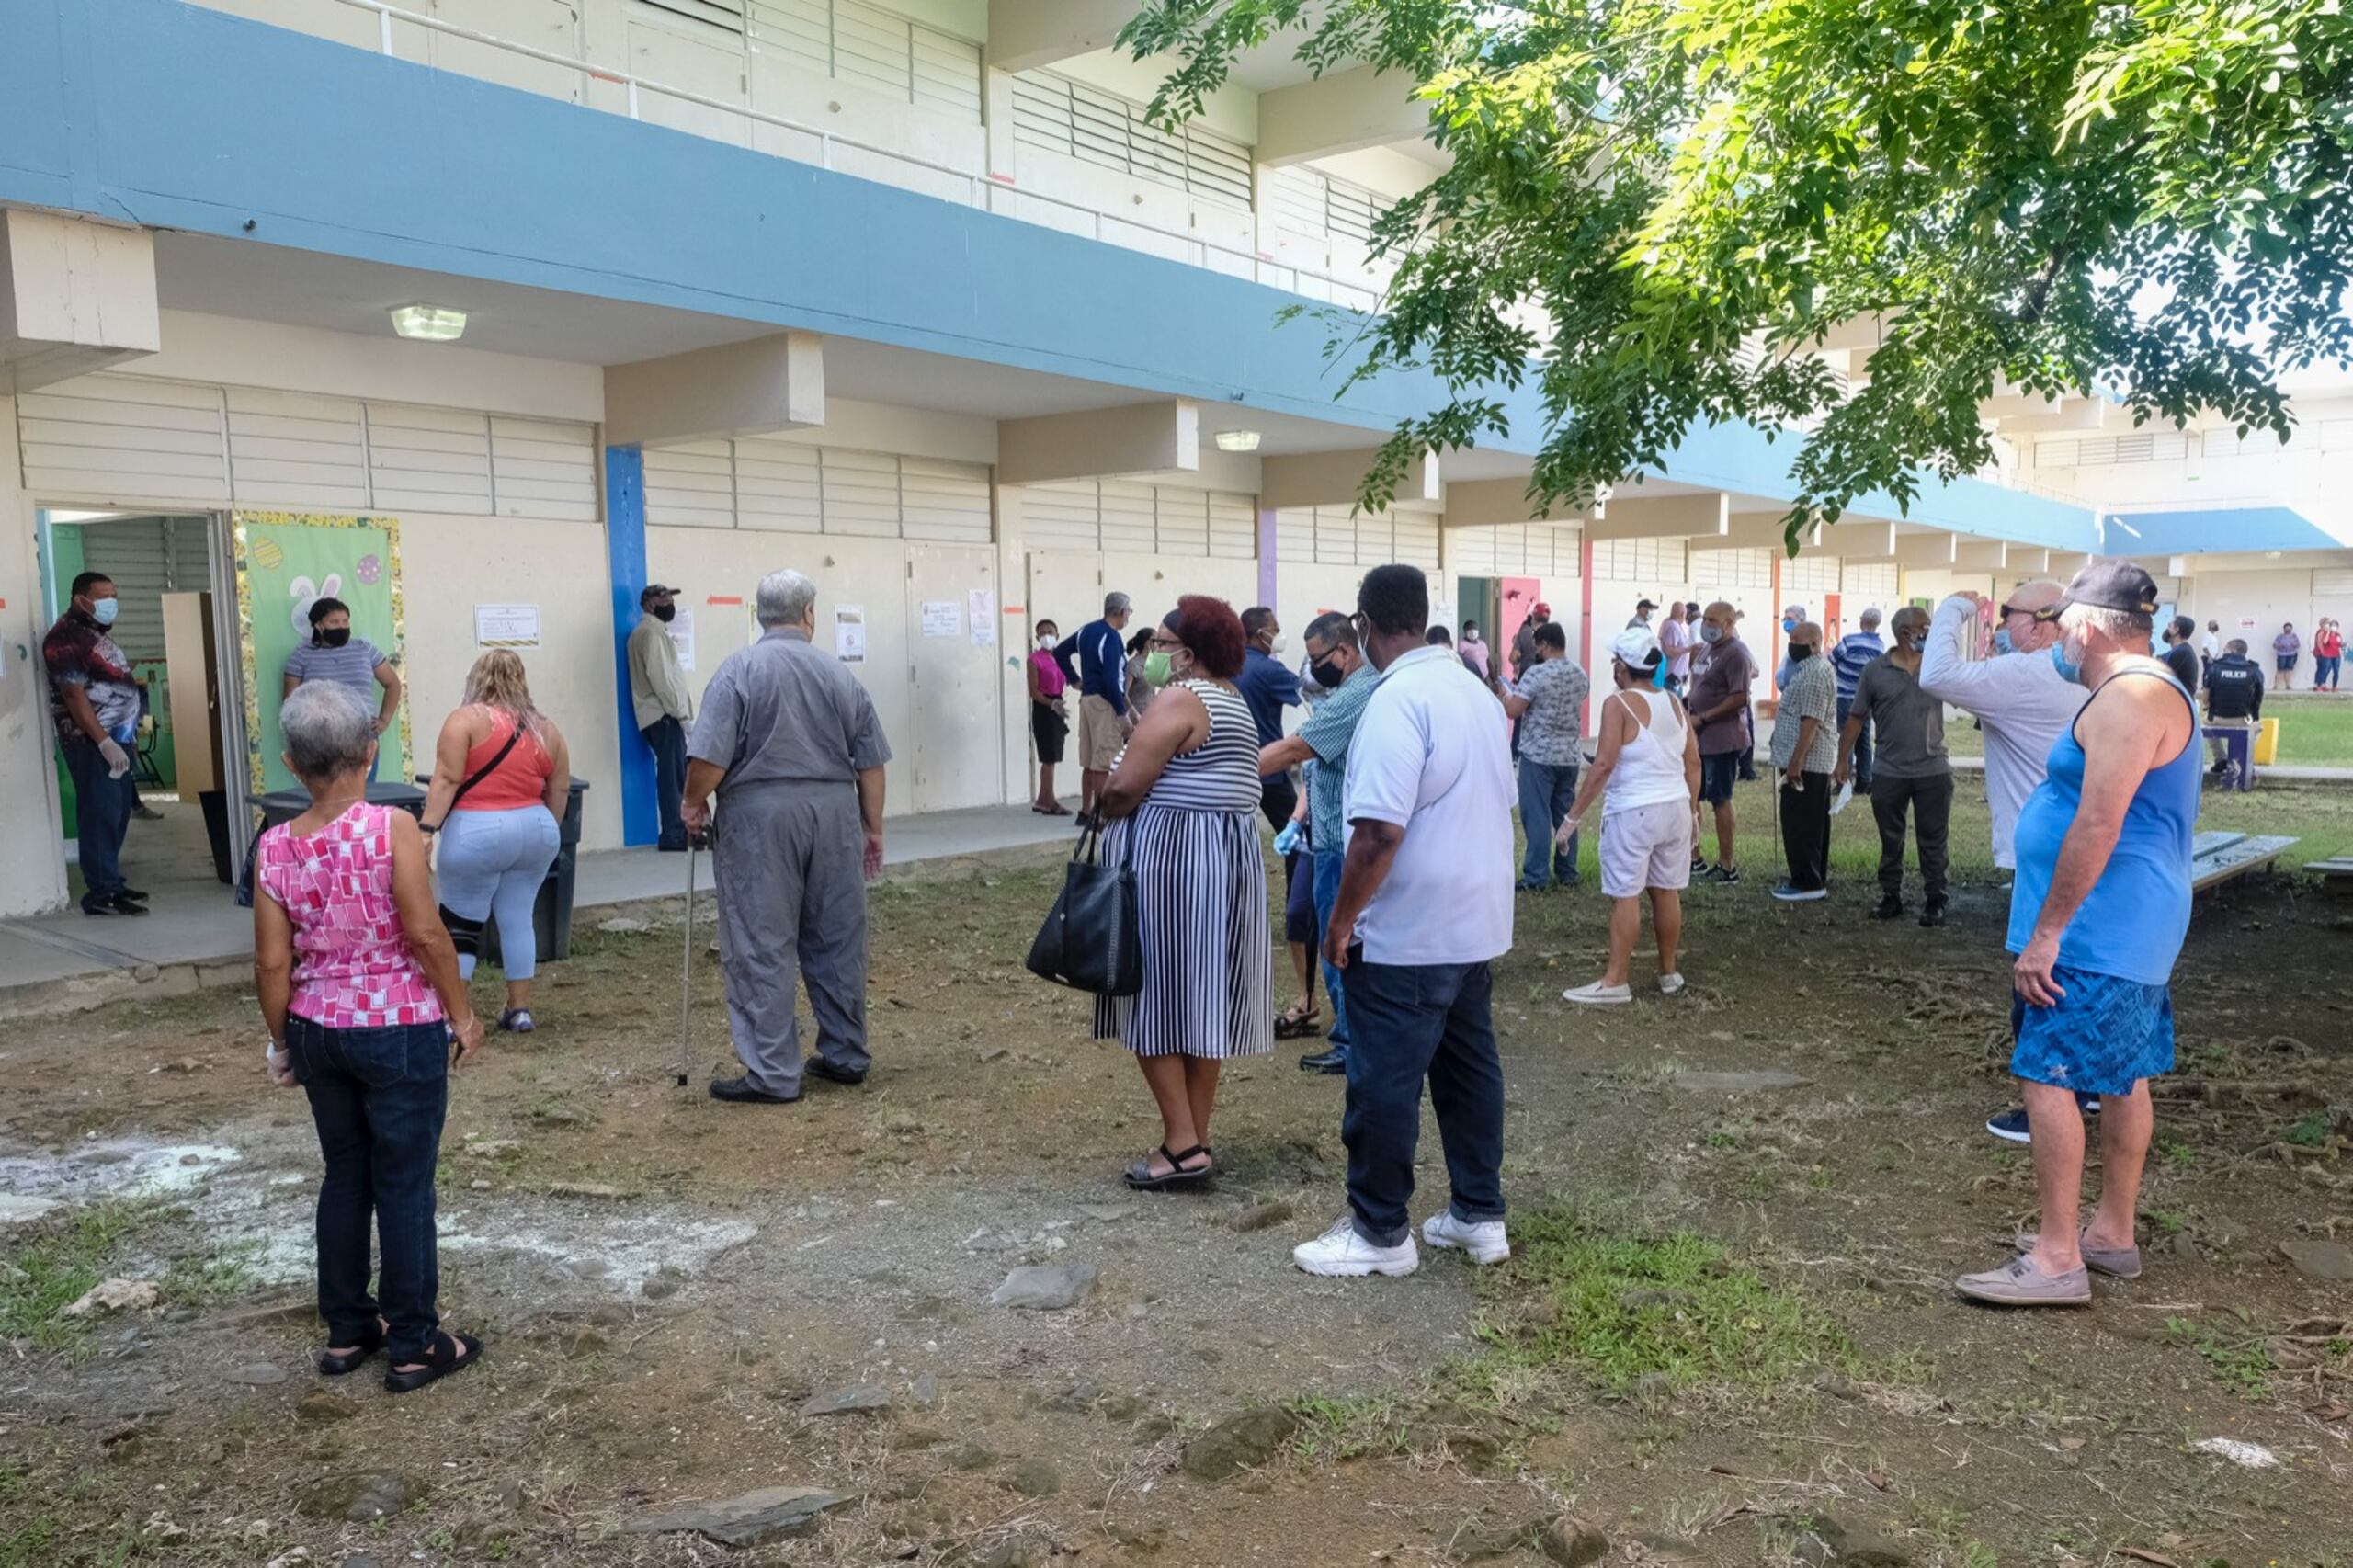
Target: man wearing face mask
column 95, row 702
column 1719, row 709
column 1269, row 688
column 2096, row 920
column 1915, row 774
column 1805, row 753
column 1793, row 617
column 657, row 693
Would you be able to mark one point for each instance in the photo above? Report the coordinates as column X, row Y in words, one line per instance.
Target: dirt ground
column 667, row 1283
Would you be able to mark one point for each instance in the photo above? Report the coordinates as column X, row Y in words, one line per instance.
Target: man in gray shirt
column 1913, row 772
column 788, row 740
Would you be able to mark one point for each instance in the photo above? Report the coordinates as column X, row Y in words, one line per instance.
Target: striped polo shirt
column 353, row 664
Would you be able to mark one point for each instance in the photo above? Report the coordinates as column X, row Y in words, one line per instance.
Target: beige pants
column 1100, row 735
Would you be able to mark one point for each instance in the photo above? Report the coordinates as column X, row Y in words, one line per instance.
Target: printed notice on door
column 980, row 609
column 943, row 618
column 507, row 626
column 849, row 634
column 682, row 637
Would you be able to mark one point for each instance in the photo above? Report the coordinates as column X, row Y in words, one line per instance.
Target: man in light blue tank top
column 2097, row 919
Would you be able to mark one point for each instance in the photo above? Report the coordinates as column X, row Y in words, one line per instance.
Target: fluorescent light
column 429, row 324
column 1237, row 440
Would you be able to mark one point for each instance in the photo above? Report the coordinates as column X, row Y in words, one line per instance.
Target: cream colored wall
column 2268, row 598
column 449, row 564
column 389, row 370
column 32, row 867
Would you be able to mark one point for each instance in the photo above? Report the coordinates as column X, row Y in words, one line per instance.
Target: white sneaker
column 1483, row 1239
column 1598, row 996
column 1341, row 1253
column 1670, row 984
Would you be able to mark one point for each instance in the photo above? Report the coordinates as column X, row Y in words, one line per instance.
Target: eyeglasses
column 1162, row 643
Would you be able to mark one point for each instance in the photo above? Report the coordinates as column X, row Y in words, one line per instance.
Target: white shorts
column 1646, row 846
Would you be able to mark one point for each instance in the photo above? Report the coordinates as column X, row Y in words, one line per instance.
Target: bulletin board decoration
column 284, row 561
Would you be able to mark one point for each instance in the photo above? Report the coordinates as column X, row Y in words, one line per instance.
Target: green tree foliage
column 2146, row 199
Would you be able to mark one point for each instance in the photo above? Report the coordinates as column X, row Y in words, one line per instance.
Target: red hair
column 1210, row 628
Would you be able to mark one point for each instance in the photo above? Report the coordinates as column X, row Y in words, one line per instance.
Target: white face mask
column 1280, row 644
column 1046, row 640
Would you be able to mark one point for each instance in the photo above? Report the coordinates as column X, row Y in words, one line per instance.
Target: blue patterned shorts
column 2105, row 1035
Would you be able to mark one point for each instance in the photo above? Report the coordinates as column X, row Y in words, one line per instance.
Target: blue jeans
column 1327, row 891
column 1862, row 745
column 491, row 864
column 667, row 738
column 1546, row 793
column 1421, row 1021
column 378, row 1096
column 102, row 816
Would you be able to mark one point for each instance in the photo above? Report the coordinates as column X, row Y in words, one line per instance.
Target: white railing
column 980, row 189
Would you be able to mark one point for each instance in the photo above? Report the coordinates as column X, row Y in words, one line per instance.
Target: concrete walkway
column 198, row 937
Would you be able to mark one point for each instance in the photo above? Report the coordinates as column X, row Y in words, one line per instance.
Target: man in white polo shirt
column 1424, row 910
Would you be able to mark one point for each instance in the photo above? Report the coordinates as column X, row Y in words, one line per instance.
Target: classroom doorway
column 175, row 628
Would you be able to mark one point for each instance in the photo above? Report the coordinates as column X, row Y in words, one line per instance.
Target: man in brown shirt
column 1718, row 707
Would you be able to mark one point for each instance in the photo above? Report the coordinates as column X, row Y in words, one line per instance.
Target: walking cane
column 687, row 977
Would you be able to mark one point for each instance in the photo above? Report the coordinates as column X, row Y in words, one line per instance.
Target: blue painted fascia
column 176, row 115
column 2213, row 530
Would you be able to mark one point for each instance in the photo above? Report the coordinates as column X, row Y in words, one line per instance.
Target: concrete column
column 32, row 857
column 75, row 296
column 625, row 560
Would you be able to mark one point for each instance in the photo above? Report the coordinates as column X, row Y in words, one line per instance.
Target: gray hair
column 785, row 599
column 1870, row 618
column 2121, row 626
column 1114, row 603
column 329, row 731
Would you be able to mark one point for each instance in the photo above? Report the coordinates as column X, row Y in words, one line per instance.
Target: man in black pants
column 1914, row 775
column 1805, row 753
column 1269, row 688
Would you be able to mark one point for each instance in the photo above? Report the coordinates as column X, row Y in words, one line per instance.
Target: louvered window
column 1811, row 573
column 1340, row 536
column 1311, row 203
column 792, row 487
column 1144, row 520
column 1871, row 585
column 852, row 41
column 1640, row 559
column 725, row 15
column 1062, row 116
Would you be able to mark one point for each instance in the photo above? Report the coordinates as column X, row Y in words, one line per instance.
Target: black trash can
column 285, row 805
column 551, row 914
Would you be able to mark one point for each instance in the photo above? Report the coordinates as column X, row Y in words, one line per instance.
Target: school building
column 479, row 315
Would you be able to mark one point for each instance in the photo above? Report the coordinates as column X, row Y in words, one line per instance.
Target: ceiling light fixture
column 1237, row 440
column 429, row 324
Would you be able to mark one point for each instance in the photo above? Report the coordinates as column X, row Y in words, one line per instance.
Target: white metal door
column 954, row 644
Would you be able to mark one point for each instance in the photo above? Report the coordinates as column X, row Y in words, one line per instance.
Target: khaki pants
column 1100, row 734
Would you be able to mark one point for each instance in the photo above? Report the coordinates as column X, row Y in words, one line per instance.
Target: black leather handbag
column 1089, row 940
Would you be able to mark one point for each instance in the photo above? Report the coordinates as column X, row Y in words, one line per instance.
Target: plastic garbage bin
column 2267, row 744
column 551, row 914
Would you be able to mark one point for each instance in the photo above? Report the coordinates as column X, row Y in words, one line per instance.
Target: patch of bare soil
column 674, row 1291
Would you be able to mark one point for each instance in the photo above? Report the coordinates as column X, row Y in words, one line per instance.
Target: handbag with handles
column 1089, row 940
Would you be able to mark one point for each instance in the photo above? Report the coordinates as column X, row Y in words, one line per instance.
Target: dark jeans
column 1278, row 797
column 1408, row 1022
column 667, row 740
column 1546, row 793
column 1805, row 832
column 102, row 816
column 1327, row 864
column 1862, row 747
column 1930, row 801
column 378, row 1096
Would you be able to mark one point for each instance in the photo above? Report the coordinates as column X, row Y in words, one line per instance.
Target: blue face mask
column 2070, row 670
column 2002, row 641
column 104, row 611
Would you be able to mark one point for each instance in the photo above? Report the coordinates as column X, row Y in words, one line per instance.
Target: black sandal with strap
column 440, row 1359
column 1140, row 1176
column 333, row 1366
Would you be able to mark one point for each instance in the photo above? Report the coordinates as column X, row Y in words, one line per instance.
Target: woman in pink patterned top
column 359, row 984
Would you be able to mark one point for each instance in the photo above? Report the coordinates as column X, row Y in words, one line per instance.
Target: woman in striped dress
column 1182, row 803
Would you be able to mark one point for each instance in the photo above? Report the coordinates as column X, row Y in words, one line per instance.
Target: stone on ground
column 2331, row 1262
column 846, row 1401
column 1573, row 1543
column 1238, row 1443
column 1045, row 1289
column 358, row 1496
column 772, row 1513
column 115, row 1296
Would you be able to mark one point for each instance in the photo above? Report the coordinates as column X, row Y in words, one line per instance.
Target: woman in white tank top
column 1647, row 775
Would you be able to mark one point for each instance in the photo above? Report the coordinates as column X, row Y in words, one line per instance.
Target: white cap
column 1636, row 648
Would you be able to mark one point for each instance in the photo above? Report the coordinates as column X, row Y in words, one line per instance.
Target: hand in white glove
column 118, row 762
column 279, row 1064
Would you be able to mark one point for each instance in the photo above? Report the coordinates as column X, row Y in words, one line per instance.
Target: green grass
column 1331, row 1429
column 1621, row 1309
column 2242, row 1360
column 50, row 1268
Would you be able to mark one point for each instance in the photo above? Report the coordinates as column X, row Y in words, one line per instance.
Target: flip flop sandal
column 441, row 1359
column 1292, row 1023
column 333, row 1366
column 517, row 1020
column 1141, row 1179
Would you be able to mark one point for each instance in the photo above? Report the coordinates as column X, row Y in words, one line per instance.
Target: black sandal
column 441, row 1359
column 1140, row 1177
column 1292, row 1023
column 333, row 1366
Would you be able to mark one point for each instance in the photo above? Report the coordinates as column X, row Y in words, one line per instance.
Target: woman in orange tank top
column 502, row 775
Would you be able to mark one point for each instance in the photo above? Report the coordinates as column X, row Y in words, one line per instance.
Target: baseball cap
column 1541, row 610
column 2107, row 585
column 653, row 591
column 1647, row 604
column 1636, row 648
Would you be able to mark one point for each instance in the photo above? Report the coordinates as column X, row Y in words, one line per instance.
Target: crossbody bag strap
column 485, row 771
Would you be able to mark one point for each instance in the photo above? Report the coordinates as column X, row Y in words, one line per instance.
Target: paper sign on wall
column 942, row 618
column 2246, row 623
column 849, row 634
column 682, row 637
column 980, row 609
column 507, row 626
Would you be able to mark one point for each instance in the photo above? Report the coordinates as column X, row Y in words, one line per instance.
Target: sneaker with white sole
column 1598, row 996
column 1341, row 1253
column 1788, row 893
column 1670, row 985
column 1483, row 1239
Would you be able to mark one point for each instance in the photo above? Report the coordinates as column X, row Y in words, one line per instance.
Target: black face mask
column 1801, row 651
column 336, row 636
column 664, row 612
column 1328, row 675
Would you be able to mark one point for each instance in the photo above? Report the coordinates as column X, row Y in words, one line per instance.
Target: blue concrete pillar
column 625, row 560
